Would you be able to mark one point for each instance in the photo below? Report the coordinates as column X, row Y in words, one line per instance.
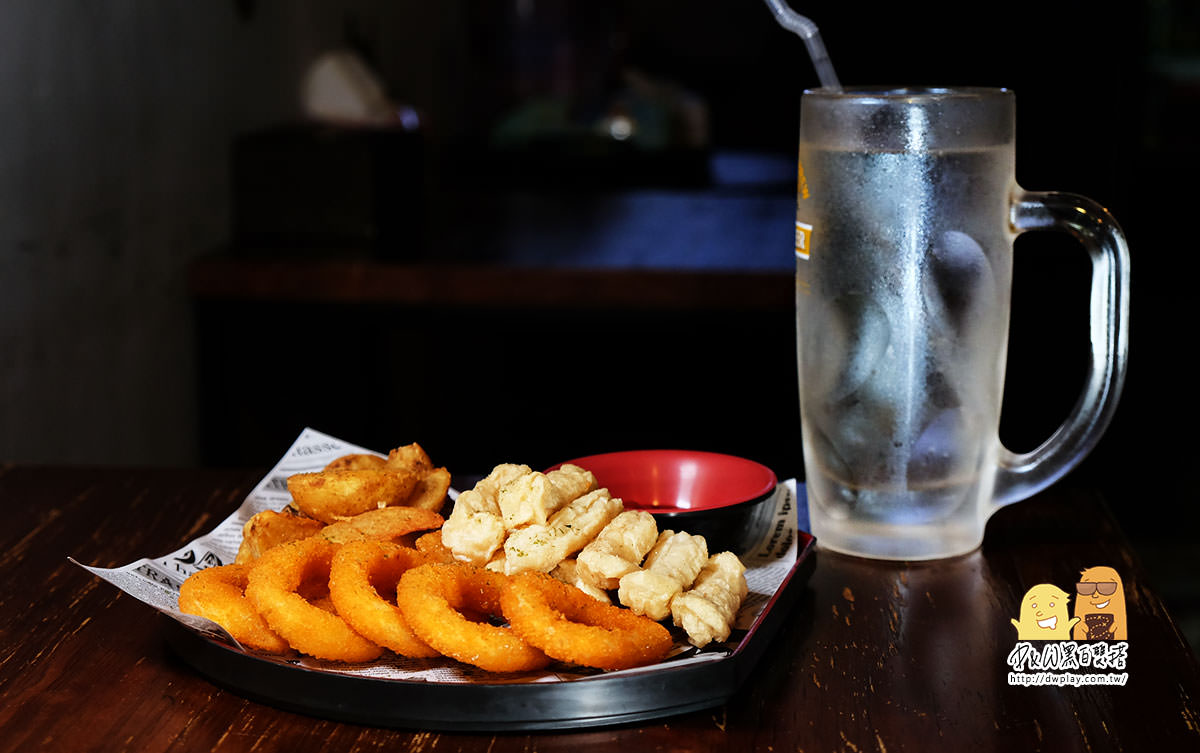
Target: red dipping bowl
column 720, row 497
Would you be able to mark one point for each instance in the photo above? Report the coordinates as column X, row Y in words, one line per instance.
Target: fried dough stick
column 618, row 549
column 542, row 547
column 475, row 528
column 670, row 567
column 568, row 572
column 533, row 498
column 706, row 611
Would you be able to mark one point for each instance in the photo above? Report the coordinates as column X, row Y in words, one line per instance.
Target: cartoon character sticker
column 1089, row 648
column 1100, row 606
column 1044, row 614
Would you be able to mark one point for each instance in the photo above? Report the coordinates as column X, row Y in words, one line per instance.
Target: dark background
column 1104, row 109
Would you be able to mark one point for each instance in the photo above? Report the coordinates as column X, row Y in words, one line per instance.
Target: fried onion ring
column 430, row 544
column 362, row 576
column 573, row 627
column 433, row 599
column 218, row 593
column 288, row 585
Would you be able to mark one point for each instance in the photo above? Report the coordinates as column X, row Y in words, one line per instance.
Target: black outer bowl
column 735, row 528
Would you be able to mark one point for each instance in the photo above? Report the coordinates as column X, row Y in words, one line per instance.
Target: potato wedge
column 430, row 492
column 356, row 462
column 410, row 457
column 269, row 528
column 330, row 496
column 388, row 523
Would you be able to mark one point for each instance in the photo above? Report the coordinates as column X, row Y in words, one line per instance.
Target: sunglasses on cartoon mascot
column 1087, row 589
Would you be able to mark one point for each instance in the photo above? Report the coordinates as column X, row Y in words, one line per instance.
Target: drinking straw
column 807, row 30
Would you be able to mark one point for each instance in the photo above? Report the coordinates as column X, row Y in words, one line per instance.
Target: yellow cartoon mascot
column 1100, row 606
column 1044, row 615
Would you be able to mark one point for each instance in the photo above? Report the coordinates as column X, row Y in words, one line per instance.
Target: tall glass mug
column 906, row 214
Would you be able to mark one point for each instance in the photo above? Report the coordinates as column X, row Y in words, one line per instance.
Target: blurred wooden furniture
column 875, row 656
column 592, row 360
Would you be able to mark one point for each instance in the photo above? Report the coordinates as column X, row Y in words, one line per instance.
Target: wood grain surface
column 875, row 656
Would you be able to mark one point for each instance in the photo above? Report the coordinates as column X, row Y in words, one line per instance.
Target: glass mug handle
column 1020, row 475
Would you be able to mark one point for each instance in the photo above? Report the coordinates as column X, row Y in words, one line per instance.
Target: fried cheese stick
column 475, row 528
column 542, row 547
column 706, row 611
column 670, row 567
column 618, row 549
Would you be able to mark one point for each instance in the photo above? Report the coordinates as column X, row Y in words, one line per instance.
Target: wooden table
column 875, row 657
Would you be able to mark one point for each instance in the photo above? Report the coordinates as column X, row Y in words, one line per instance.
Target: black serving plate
column 664, row 689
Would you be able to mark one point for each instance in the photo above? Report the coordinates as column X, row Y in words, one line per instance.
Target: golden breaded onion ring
column 573, row 627
column 433, row 599
column 362, row 583
column 218, row 593
column 430, row 544
column 288, row 584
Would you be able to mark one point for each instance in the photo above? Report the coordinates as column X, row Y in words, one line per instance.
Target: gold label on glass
column 803, row 239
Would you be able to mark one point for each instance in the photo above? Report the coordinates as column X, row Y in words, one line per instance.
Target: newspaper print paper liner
column 155, row 581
